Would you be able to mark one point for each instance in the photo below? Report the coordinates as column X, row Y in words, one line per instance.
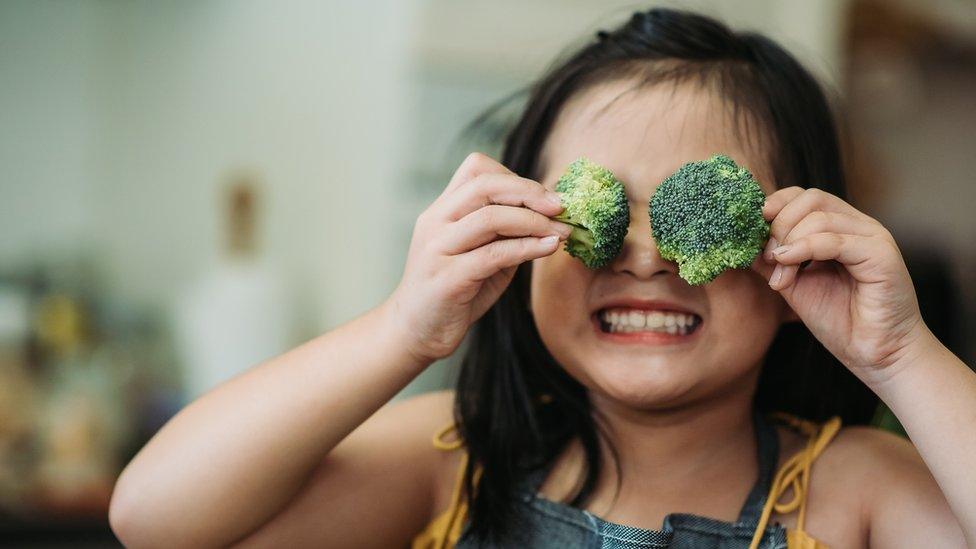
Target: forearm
column 933, row 395
column 234, row 458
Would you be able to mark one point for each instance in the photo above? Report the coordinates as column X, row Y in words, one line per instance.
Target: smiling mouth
column 621, row 320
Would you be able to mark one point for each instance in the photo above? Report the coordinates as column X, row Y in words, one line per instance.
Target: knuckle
column 422, row 220
column 488, row 216
column 542, row 224
column 530, row 187
column 486, row 185
column 820, row 219
column 474, row 165
column 473, row 187
column 475, row 160
column 815, row 195
column 520, row 248
column 497, row 252
column 446, row 241
column 886, row 234
column 822, row 216
column 813, row 191
column 892, row 248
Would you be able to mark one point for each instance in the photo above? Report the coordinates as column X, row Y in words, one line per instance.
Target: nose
column 639, row 256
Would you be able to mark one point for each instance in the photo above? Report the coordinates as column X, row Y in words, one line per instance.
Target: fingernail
column 781, row 250
column 554, row 198
column 770, row 246
column 563, row 229
column 550, row 241
column 777, row 274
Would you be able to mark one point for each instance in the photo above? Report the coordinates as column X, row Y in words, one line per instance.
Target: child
column 579, row 418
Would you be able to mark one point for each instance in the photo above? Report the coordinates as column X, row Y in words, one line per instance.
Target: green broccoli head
column 707, row 216
column 596, row 207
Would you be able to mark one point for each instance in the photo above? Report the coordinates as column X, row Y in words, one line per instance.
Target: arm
column 389, row 479
column 231, row 460
column 933, row 395
column 857, row 298
column 258, row 450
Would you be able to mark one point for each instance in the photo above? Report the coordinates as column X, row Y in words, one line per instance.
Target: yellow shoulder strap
column 441, row 443
column 795, row 474
column 445, row 529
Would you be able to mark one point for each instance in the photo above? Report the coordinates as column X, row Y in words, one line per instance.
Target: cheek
column 558, row 293
column 746, row 314
column 557, row 287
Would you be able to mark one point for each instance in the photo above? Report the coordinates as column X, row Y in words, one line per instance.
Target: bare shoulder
column 870, row 484
column 411, row 425
column 395, row 445
column 859, row 450
column 421, row 415
column 406, row 429
column 881, row 466
column 861, row 458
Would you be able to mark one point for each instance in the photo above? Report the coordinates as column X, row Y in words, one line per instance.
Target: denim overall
column 548, row 524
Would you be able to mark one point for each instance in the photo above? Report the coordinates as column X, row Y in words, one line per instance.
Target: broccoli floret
column 596, row 207
column 707, row 216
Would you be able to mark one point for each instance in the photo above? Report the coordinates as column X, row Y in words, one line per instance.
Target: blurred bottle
column 237, row 314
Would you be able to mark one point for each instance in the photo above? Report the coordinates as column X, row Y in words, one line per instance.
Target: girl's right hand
column 464, row 252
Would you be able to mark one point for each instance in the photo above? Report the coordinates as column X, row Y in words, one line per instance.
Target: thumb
column 761, row 267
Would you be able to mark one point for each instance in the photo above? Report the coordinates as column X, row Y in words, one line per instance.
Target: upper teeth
column 634, row 320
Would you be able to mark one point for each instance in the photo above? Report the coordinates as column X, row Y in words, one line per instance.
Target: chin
column 649, row 385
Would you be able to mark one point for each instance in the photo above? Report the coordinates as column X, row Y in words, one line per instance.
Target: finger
column 767, row 269
column 820, row 221
column 474, row 164
column 507, row 190
column 492, row 222
column 847, row 249
column 776, row 201
column 782, row 276
column 855, row 253
column 788, row 274
column 803, row 204
column 761, row 266
column 489, row 259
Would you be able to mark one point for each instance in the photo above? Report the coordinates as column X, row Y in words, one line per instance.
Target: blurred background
column 188, row 188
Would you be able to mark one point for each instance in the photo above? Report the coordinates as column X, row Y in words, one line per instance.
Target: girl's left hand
column 855, row 295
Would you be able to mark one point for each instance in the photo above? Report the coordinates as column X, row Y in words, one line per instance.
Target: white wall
column 306, row 94
column 515, row 37
column 48, row 122
column 122, row 120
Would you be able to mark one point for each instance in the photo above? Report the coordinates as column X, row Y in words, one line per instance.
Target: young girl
column 620, row 407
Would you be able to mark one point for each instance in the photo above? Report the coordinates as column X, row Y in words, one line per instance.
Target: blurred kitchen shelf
column 57, row 533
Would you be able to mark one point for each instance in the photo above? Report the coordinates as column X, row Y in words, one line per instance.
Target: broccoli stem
column 564, row 218
column 582, row 235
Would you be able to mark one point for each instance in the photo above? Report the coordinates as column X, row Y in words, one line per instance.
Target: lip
column 646, row 305
column 645, row 338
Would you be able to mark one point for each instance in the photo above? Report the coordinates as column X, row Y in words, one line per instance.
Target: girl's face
column 644, row 135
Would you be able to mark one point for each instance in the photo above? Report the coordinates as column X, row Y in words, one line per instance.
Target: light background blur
column 124, row 124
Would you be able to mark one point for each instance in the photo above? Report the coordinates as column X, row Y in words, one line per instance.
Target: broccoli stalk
column 595, row 205
column 707, row 216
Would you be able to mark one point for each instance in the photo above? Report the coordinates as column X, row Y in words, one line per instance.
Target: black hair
column 515, row 407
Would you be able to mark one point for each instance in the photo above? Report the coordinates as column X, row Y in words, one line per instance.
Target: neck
column 673, row 445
